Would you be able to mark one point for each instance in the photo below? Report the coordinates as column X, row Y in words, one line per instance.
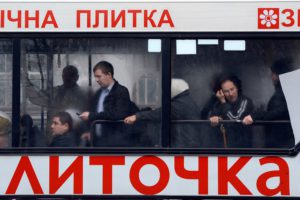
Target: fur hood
column 178, row 86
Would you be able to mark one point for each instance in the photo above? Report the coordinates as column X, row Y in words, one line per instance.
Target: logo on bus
column 275, row 18
column 268, row 18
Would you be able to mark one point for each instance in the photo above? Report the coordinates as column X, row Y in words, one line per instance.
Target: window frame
column 165, row 97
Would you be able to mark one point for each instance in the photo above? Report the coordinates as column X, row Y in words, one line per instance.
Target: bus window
column 225, row 81
column 58, row 75
column 6, row 92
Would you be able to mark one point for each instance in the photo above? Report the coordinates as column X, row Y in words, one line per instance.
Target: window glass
column 6, row 92
column 216, row 89
column 59, row 82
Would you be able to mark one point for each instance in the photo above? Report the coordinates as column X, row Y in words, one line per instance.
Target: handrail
column 198, row 121
column 221, row 122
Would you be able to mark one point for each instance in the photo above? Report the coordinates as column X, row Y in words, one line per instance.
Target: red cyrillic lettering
column 226, row 175
column 88, row 18
column 24, row 166
column 201, row 174
column 165, row 19
column 134, row 15
column 36, row 19
column 282, row 173
column 289, row 17
column 18, row 19
column 56, row 181
column 107, row 162
column 97, row 13
column 49, row 20
column 163, row 177
column 298, row 17
column 149, row 18
column 115, row 21
column 2, row 18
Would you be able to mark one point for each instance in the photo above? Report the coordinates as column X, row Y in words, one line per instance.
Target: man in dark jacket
column 277, row 135
column 232, row 105
column 111, row 102
column 62, row 130
column 183, row 107
column 68, row 96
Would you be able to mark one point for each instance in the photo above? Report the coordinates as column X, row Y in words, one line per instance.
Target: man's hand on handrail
column 247, row 120
column 130, row 119
column 214, row 120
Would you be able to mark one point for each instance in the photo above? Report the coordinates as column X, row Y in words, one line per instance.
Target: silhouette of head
column 26, row 121
column 280, row 66
column 70, row 76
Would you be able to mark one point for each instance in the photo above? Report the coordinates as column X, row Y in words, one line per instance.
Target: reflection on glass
column 253, row 67
column 2, row 63
column 6, row 92
column 36, row 62
column 56, row 78
column 142, row 91
column 148, row 91
column 2, row 91
column 152, row 91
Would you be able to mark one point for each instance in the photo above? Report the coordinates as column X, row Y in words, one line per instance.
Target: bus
column 206, row 105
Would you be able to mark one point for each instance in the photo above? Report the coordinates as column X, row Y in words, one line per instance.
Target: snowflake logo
column 268, row 18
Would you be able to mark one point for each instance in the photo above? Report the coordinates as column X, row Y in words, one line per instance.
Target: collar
column 111, row 86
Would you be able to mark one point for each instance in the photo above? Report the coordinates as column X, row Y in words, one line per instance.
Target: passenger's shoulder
column 120, row 87
column 245, row 98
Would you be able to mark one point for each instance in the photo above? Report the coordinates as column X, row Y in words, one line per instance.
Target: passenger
column 208, row 106
column 69, row 97
column 232, row 105
column 111, row 102
column 62, row 130
column 277, row 135
column 31, row 135
column 183, row 107
column 5, row 130
column 212, row 137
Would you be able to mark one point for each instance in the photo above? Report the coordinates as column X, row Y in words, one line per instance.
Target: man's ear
column 66, row 125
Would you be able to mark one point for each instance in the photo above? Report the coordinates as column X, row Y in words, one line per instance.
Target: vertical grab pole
column 16, row 62
column 166, row 93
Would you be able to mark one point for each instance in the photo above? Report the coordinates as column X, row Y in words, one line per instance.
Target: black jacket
column 116, row 107
column 277, row 135
column 65, row 140
column 183, row 107
column 238, row 135
column 116, row 104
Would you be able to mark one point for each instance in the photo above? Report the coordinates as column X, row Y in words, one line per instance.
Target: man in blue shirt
column 111, row 102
